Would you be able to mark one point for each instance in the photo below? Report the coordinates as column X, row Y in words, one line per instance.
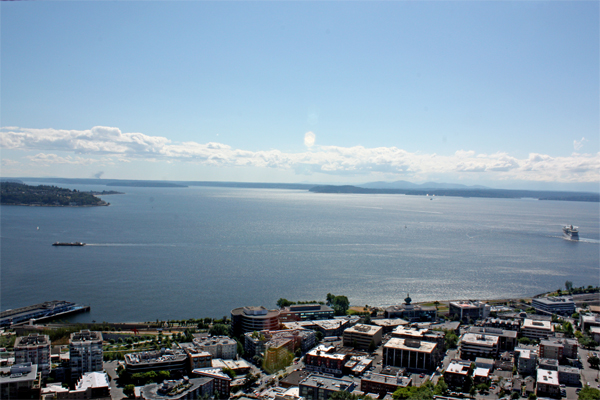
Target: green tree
column 219, row 330
column 231, row 373
column 128, row 390
column 372, row 346
column 343, row 395
column 451, row 339
column 284, row 303
column 594, row 361
column 589, row 393
column 569, row 286
column 441, row 388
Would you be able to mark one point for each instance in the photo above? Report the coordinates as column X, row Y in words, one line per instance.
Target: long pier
column 39, row 312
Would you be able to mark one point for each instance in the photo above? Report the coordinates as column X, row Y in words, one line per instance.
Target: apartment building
column 469, row 310
column 547, row 383
column 218, row 346
column 85, row 353
column 411, row 353
column 34, row 349
column 558, row 349
column 474, row 345
column 318, row 387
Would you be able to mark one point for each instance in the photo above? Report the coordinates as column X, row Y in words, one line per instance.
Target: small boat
column 571, row 232
column 68, row 244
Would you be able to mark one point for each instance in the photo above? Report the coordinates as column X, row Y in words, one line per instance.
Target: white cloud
column 103, row 144
column 7, row 162
column 579, row 144
column 43, row 159
column 309, row 139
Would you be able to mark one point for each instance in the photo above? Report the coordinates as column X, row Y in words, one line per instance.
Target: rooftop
column 364, row 329
column 92, row 380
column 537, row 324
column 411, row 345
column 547, row 377
column 480, row 340
column 328, row 383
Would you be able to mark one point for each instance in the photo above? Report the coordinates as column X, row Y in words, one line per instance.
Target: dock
column 39, row 312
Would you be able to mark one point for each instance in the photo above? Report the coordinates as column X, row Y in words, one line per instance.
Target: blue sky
column 504, row 94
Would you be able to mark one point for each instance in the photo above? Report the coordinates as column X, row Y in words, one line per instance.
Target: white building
column 218, row 346
column 474, row 345
column 534, row 329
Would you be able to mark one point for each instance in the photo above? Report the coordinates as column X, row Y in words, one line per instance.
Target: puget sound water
column 178, row 253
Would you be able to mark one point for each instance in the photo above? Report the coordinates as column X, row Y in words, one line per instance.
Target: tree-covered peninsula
column 12, row 193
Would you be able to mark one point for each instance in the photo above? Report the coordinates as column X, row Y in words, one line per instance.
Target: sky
column 504, row 94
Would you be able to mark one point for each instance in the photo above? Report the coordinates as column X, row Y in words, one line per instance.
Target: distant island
column 12, row 193
column 488, row 193
column 103, row 193
column 162, row 184
column 398, row 187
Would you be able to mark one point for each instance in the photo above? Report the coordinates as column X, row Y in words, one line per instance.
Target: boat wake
column 131, row 244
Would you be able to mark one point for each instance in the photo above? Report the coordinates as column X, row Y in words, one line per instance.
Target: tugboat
column 571, row 232
column 68, row 244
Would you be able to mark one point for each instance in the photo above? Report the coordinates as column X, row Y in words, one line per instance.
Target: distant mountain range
column 410, row 185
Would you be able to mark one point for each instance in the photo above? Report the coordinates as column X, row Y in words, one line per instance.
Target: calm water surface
column 159, row 253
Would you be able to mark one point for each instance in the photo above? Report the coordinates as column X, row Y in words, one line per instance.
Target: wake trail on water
column 581, row 240
column 131, row 244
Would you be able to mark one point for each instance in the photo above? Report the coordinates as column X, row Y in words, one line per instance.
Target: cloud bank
column 104, row 145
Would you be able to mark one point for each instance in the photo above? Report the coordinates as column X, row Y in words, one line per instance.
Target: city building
column 587, row 321
column 250, row 319
column 411, row 312
column 549, row 364
column 424, row 334
column 357, row 365
column 547, row 383
column 257, row 342
column 469, row 310
column 159, row 360
column 195, row 388
column 554, row 305
column 558, row 348
column 382, row 384
column 20, row 381
column 218, row 346
column 221, row 381
column 303, row 312
column 91, row 385
column 327, row 327
column 568, row 375
column 363, row 336
column 595, row 333
column 319, row 387
column 526, row 361
column 198, row 358
column 457, row 373
column 323, row 359
column 85, row 353
column 240, row 367
column 537, row 329
column 389, row 324
column 475, row 345
column 34, row 349
column 507, row 339
column 411, row 353
column 501, row 323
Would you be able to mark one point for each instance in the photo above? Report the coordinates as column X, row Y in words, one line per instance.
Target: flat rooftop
column 480, row 340
column 363, row 329
column 537, row 324
column 410, row 345
column 327, row 383
column 547, row 377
